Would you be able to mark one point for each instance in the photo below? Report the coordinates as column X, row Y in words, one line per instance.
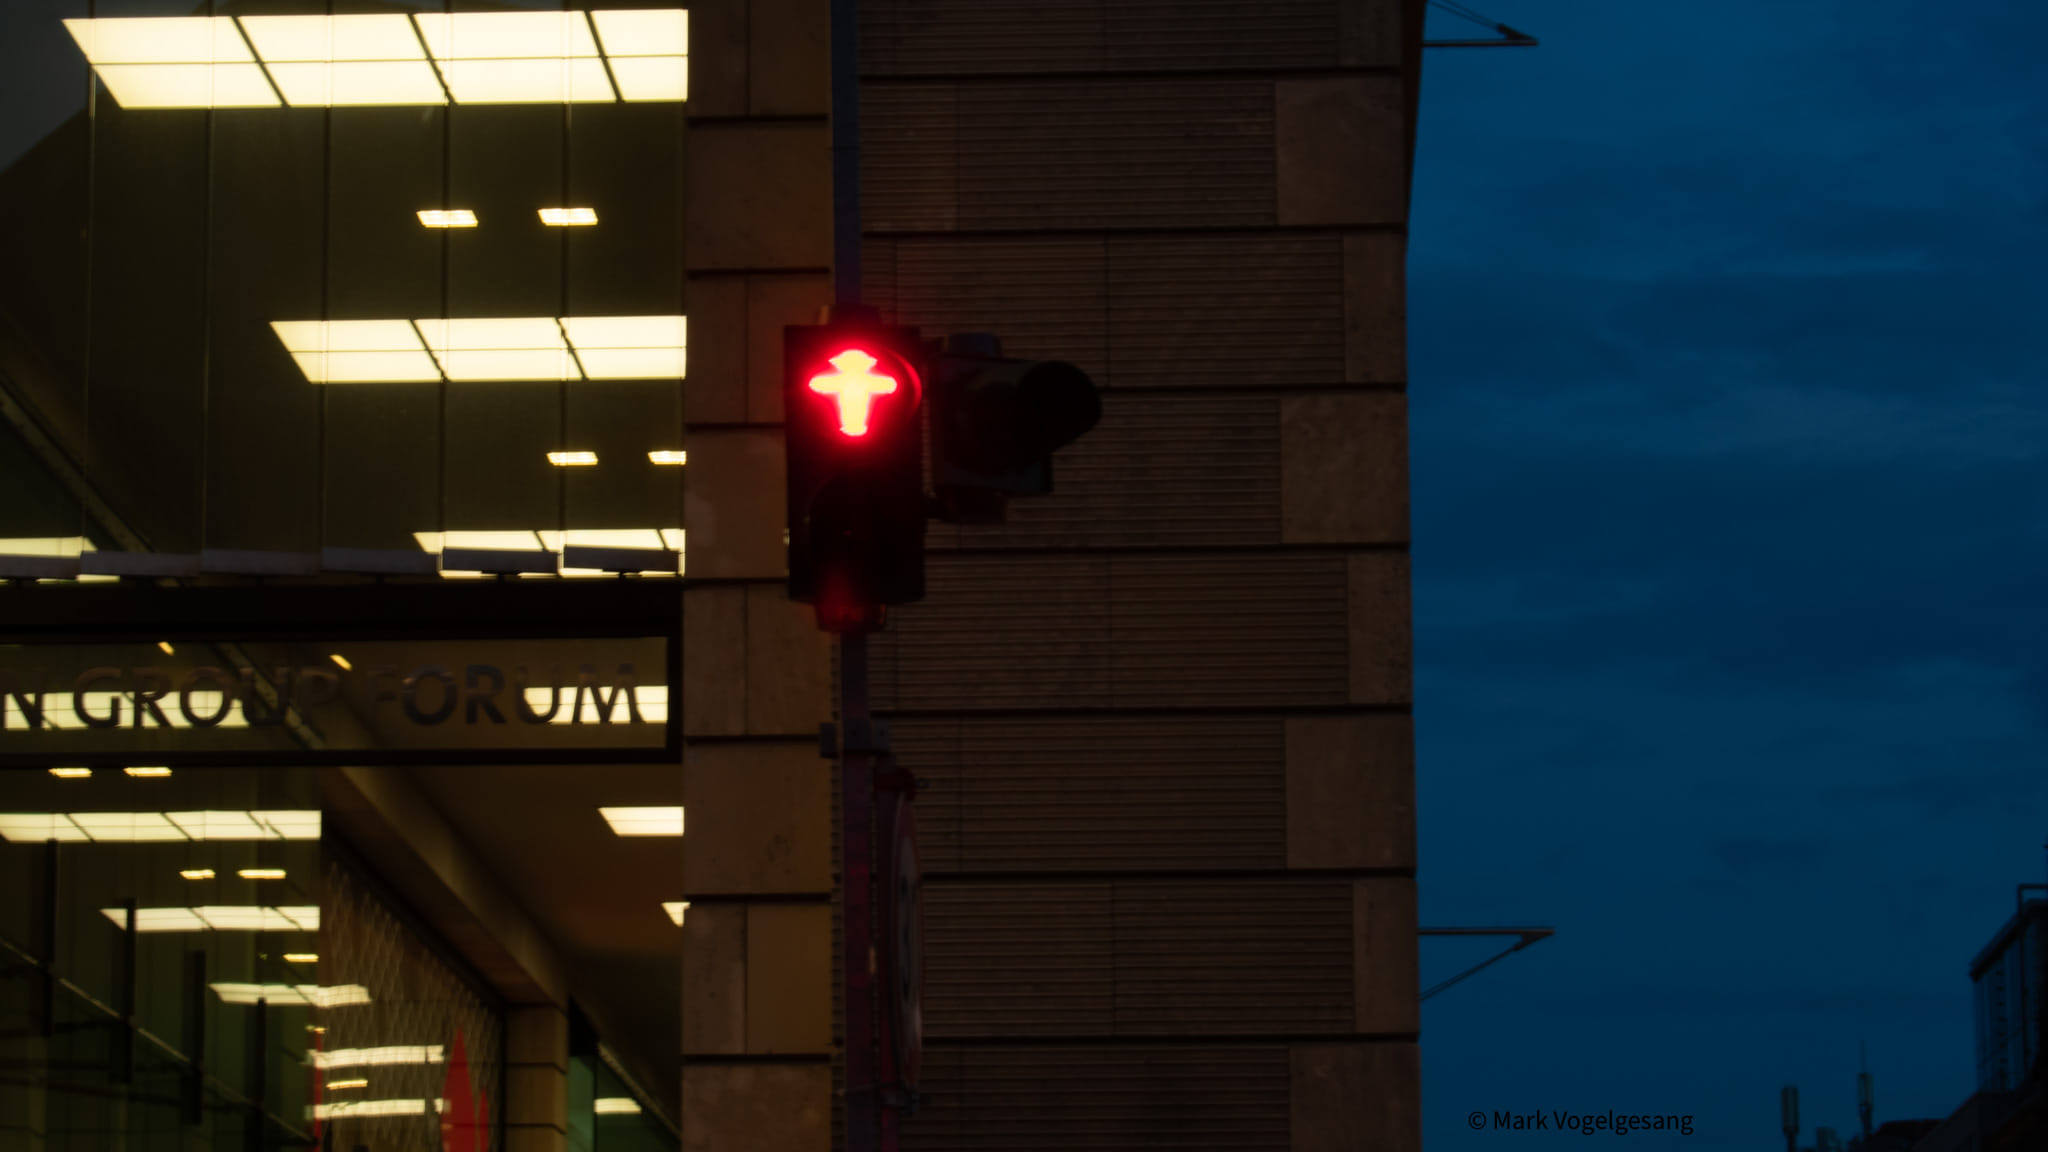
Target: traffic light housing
column 852, row 394
column 995, row 423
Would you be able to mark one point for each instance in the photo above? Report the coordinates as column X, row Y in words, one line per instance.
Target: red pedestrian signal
column 852, row 398
column 853, row 384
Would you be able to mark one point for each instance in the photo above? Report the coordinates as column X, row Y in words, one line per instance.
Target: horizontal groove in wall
column 902, row 37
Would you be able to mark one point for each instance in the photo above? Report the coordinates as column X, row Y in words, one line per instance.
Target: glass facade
column 285, row 284
column 244, row 328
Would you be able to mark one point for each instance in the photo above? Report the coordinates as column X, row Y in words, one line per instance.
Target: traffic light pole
column 859, row 753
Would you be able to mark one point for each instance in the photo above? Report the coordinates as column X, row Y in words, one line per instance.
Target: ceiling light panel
column 322, row 61
column 572, row 459
column 659, row 821
column 377, row 1057
column 566, row 217
column 499, row 348
column 220, row 918
column 449, row 218
column 311, row 995
column 615, row 1106
column 668, row 457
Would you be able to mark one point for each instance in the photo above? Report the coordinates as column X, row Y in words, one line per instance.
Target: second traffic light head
column 996, row 422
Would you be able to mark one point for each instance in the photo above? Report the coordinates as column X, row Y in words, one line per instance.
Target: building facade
column 475, row 313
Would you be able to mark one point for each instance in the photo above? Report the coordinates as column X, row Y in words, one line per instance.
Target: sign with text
column 250, row 691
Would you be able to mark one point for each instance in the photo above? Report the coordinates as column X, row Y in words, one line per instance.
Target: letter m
column 603, row 702
column 31, row 708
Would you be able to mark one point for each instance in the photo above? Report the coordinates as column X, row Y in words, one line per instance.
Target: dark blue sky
column 1730, row 532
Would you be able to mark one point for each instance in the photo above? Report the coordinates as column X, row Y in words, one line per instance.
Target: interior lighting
column 357, row 351
column 302, row 957
column 667, row 457
column 572, row 459
column 447, row 218
column 378, row 1057
column 615, row 1106
column 311, row 995
column 340, row 661
column 481, row 348
column 71, row 773
column 658, row 821
column 359, row 1082
column 568, row 217
column 148, row 772
column 261, row 873
column 221, row 918
column 675, row 910
column 499, row 348
column 353, row 1108
column 166, row 646
column 331, row 61
column 197, row 873
column 132, row 827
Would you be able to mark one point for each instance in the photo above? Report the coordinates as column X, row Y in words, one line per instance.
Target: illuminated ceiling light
column 127, row 827
column 499, row 348
column 71, row 773
column 649, row 52
column 651, row 698
column 673, row 538
column 566, row 217
column 311, row 995
column 516, row 57
column 44, row 545
column 659, row 821
column 187, row 85
column 572, row 459
column 615, row 1106
column 482, row 541
column 646, row 538
column 357, row 351
column 629, row 347
column 340, row 661
column 358, row 84
column 261, row 873
column 130, row 827
column 448, row 218
column 302, row 957
column 148, row 772
column 655, row 32
column 378, row 1057
column 326, row 38
column 349, row 1109
column 166, row 646
column 510, row 57
column 220, row 918
column 675, row 910
column 160, row 40
column 651, row 79
column 197, row 873
column 668, row 457
column 356, row 1083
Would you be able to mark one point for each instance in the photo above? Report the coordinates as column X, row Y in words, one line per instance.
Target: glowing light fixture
column 71, row 773
column 302, row 957
column 357, row 351
column 615, row 1106
column 358, row 1082
column 165, row 645
column 220, row 918
column 668, row 457
column 675, row 910
column 572, row 459
column 197, row 873
column 567, row 217
column 352, row 1108
column 644, row 821
column 156, row 773
column 378, row 1057
column 134, row 827
column 486, row 348
column 340, row 661
column 326, row 61
column 44, row 545
column 311, row 995
column 261, row 873
column 447, row 218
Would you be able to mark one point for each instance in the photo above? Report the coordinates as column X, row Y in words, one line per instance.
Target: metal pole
column 845, row 153
column 856, row 839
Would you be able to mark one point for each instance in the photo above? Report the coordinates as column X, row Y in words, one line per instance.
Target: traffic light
column 852, row 392
column 996, row 422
